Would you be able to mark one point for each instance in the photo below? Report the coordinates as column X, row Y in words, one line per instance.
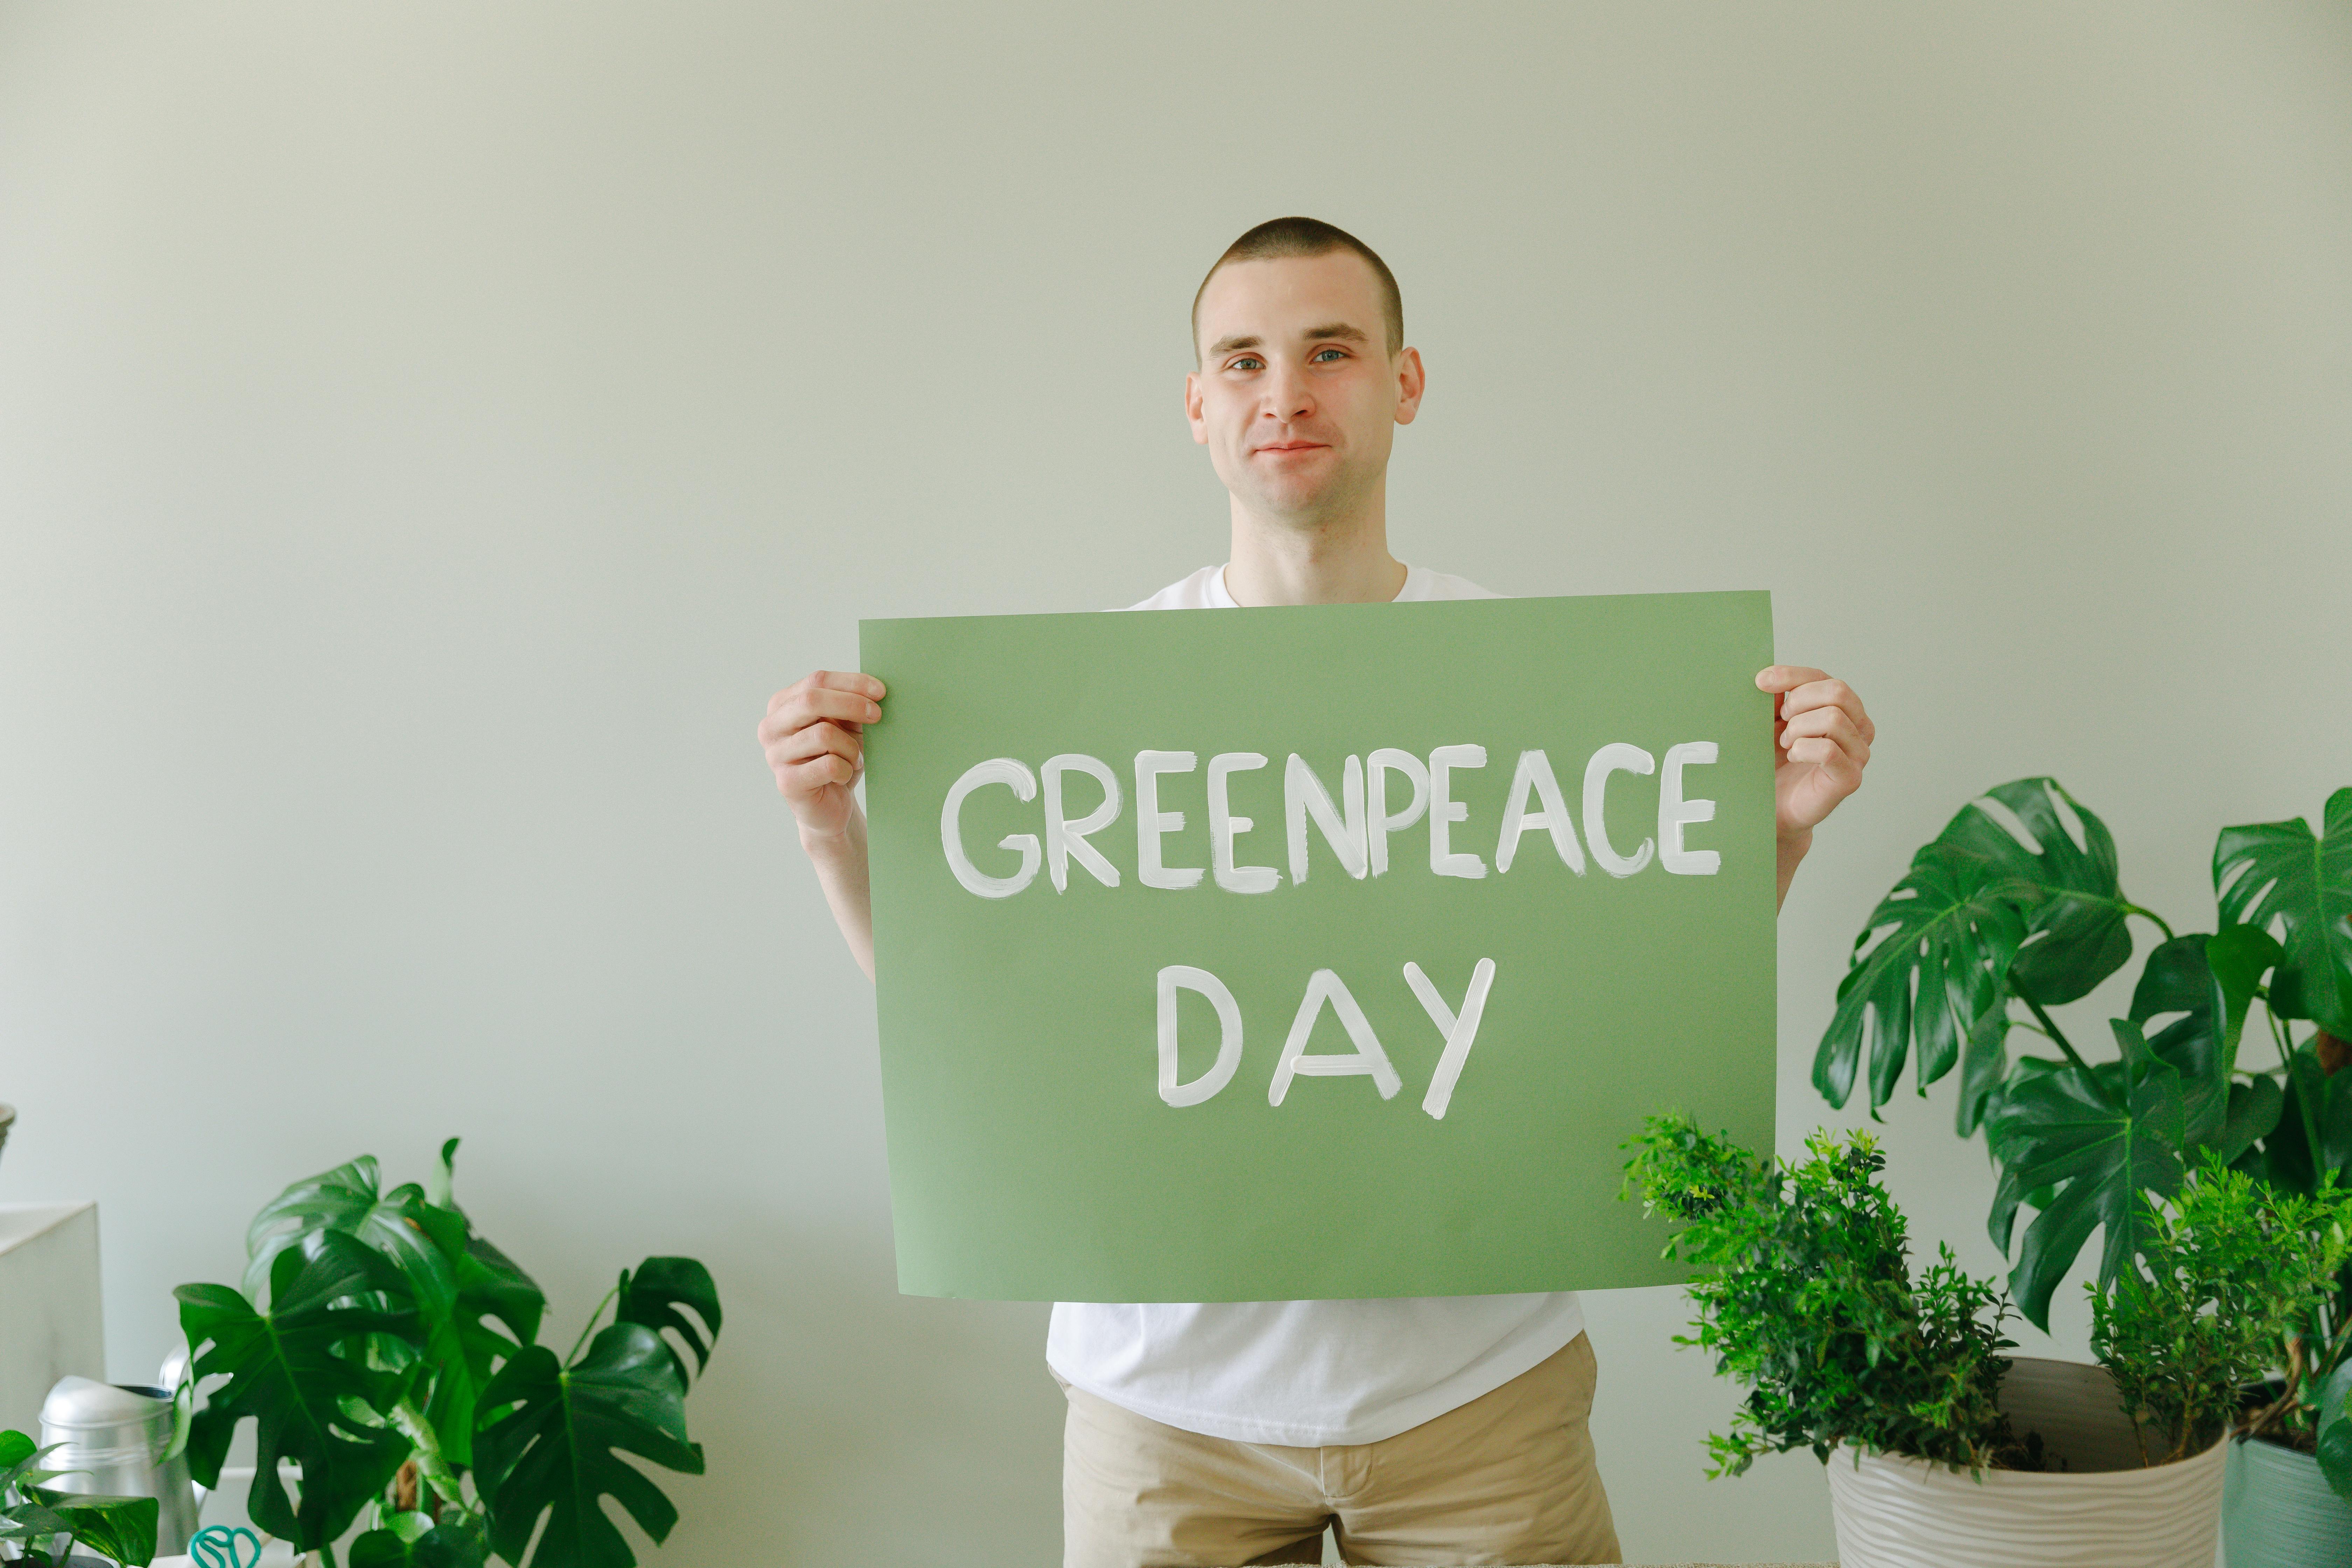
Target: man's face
column 1297, row 398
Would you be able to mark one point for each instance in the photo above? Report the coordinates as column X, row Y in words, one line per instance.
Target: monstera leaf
column 2084, row 1143
column 653, row 1295
column 2277, row 870
column 2211, row 981
column 301, row 1371
column 414, row 1541
column 2075, row 936
column 1948, row 931
column 556, row 1450
column 1981, row 916
column 458, row 1283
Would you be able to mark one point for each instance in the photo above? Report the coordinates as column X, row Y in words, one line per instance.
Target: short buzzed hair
column 1306, row 237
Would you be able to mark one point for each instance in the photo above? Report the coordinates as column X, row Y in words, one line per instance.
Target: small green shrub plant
column 390, row 1353
column 1805, row 1294
column 2226, row 1269
column 1802, row 1282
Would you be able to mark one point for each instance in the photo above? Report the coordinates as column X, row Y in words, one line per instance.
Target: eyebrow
column 1223, row 346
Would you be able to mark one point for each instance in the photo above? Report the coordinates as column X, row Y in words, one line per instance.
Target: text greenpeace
column 1381, row 795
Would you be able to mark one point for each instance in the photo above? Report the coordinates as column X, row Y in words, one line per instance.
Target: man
column 1442, row 1430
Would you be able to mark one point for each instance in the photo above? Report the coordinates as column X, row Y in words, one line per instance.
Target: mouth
column 1294, row 447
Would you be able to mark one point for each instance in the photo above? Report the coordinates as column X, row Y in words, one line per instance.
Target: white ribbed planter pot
column 2105, row 1508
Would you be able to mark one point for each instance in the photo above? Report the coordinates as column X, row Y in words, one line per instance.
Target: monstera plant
column 2008, row 914
column 389, row 1352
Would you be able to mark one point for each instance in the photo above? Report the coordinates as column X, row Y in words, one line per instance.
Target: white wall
column 428, row 432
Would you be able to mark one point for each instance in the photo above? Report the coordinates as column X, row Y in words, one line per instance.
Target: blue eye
column 1320, row 354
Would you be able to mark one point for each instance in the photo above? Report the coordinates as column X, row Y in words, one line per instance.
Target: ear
column 1412, row 381
column 1193, row 409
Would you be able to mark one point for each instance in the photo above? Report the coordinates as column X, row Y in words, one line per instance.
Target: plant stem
column 2132, row 909
column 590, row 1326
column 2049, row 1027
column 429, row 1462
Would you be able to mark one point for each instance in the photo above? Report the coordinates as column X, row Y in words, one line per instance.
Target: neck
column 1339, row 560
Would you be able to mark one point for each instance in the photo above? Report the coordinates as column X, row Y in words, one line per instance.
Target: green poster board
column 1093, row 1092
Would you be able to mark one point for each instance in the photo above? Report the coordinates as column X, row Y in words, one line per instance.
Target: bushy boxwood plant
column 1803, row 1287
column 389, row 1352
column 1804, row 1291
column 2226, row 1269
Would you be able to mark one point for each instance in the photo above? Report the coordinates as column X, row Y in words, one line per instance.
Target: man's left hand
column 1821, row 738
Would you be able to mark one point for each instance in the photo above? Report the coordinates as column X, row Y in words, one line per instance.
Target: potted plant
column 1943, row 1453
column 39, row 1528
column 2016, row 909
column 389, row 1352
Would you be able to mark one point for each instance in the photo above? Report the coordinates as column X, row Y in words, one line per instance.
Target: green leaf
column 301, row 1372
column 2253, row 1114
column 2075, row 936
column 557, row 1450
column 2314, row 1137
column 2335, row 1431
column 29, row 1523
column 122, row 1527
column 2101, row 1138
column 15, row 1449
column 653, row 1295
column 1948, row 931
column 2336, row 1456
column 1984, row 1067
column 414, row 1541
column 2211, row 981
column 2277, row 870
column 457, row 1282
column 345, row 1199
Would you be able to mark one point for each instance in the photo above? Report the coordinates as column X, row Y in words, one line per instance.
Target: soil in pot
column 2097, row 1506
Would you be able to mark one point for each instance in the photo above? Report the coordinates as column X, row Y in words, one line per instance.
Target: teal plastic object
column 2276, row 1512
column 219, row 1546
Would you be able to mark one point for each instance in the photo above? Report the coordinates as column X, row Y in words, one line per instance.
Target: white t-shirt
column 1305, row 1373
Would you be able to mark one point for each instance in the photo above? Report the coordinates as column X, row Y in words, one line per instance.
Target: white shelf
column 50, row 1324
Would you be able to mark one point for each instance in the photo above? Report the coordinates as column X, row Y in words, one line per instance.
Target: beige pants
column 1507, row 1477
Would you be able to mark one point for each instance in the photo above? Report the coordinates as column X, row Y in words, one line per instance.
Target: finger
column 1829, row 692
column 814, row 704
column 852, row 681
column 1832, row 760
column 1831, row 723
column 1850, row 749
column 815, row 741
column 775, row 727
column 807, row 778
column 1784, row 677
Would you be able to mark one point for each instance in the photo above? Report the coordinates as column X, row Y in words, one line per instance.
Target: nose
column 1287, row 395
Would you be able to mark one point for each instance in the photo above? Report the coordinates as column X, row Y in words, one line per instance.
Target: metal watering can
column 119, row 1439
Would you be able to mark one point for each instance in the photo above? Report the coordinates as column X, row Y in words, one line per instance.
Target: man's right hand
column 814, row 739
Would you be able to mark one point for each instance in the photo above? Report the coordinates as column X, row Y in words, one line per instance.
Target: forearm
column 1792, row 850
column 840, row 862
